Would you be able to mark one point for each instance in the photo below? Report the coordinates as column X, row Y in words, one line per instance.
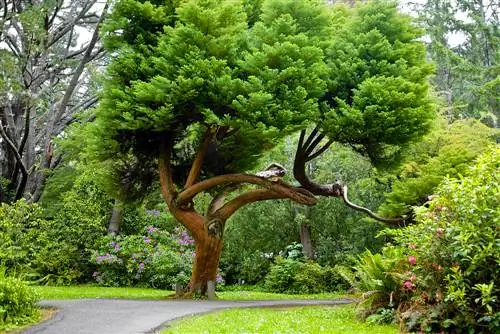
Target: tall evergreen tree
column 463, row 41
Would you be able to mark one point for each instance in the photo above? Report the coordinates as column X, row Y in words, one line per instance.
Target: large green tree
column 204, row 87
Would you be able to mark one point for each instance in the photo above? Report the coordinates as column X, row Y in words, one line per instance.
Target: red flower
column 412, row 259
column 439, row 232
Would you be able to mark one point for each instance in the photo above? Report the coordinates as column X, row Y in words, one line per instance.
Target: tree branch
column 218, row 200
column 314, row 143
column 166, row 179
column 200, row 155
column 298, row 195
column 24, row 172
column 188, row 194
column 320, row 151
column 398, row 220
column 76, row 76
column 327, row 190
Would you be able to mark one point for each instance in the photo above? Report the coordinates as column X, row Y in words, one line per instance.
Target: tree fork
column 304, row 154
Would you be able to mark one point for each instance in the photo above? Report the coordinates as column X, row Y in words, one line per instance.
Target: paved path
column 110, row 316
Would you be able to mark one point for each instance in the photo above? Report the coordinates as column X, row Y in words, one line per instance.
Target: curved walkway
column 110, row 316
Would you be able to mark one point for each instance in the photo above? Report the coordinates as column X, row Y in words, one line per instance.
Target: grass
column 88, row 291
column 257, row 295
column 311, row 319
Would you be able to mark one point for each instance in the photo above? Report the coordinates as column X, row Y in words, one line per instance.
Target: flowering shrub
column 445, row 267
column 156, row 259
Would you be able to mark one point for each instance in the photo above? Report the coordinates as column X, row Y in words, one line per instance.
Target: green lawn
column 87, row 291
column 311, row 319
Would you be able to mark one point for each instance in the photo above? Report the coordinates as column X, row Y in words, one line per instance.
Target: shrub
column 18, row 224
column 291, row 276
column 309, row 278
column 441, row 272
column 281, row 276
column 156, row 259
column 17, row 301
column 255, row 267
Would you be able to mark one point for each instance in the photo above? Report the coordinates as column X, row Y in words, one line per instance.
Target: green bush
column 54, row 249
column 292, row 276
column 20, row 226
column 441, row 274
column 254, row 267
column 309, row 278
column 17, row 301
column 282, row 275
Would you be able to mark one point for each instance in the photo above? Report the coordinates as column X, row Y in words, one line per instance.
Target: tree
column 467, row 69
column 448, row 151
column 44, row 82
column 204, row 88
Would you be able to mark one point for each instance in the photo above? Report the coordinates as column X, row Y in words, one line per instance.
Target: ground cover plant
column 334, row 319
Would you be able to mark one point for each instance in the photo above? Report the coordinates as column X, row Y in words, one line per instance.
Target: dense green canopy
column 258, row 71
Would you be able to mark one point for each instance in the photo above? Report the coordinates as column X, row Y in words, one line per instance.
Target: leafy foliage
column 446, row 152
column 445, row 267
column 54, row 249
column 294, row 275
column 17, row 301
column 359, row 74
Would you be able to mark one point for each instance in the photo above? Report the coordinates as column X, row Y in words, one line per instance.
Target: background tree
column 206, row 91
column 463, row 42
column 44, row 82
column 447, row 151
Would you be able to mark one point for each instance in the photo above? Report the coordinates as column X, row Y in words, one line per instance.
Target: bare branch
column 314, row 143
column 311, row 137
column 398, row 220
column 19, row 161
column 200, row 155
column 81, row 66
column 188, row 194
column 320, row 151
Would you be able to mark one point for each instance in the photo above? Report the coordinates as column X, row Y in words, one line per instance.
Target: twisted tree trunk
column 207, row 229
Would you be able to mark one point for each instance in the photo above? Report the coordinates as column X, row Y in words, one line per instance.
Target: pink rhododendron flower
column 408, row 285
column 412, row 259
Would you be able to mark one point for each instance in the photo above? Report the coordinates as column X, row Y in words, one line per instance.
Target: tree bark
column 306, row 240
column 207, row 230
column 207, row 256
column 115, row 222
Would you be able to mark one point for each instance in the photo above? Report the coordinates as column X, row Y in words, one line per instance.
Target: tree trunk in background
column 115, row 222
column 306, row 240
